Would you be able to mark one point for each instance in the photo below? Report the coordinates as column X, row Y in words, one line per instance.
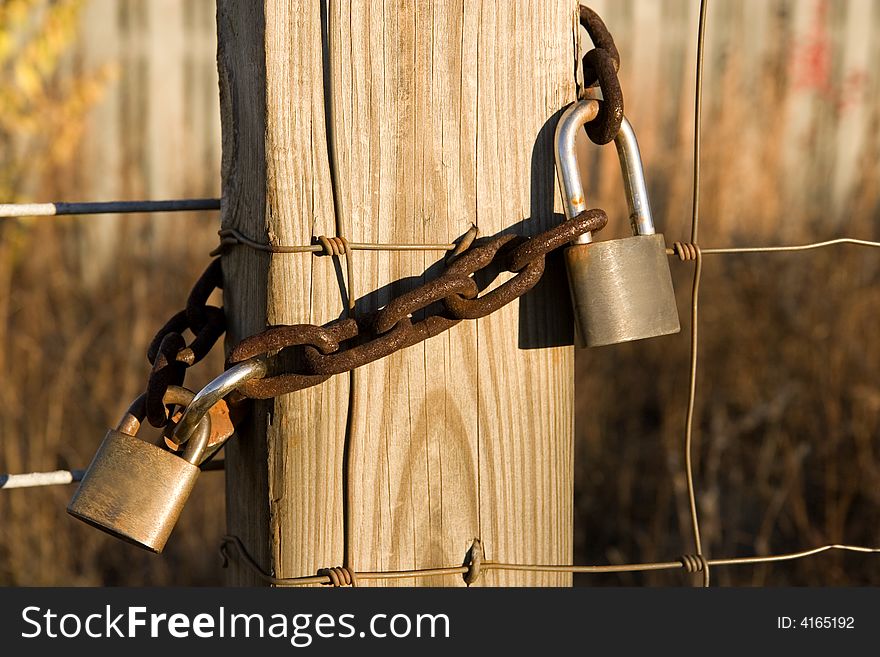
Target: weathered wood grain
column 442, row 114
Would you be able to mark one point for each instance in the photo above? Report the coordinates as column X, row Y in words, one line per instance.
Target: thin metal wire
column 732, row 250
column 231, row 236
column 38, row 479
column 106, row 207
column 691, row 404
column 62, row 477
column 341, row 223
column 325, row 579
column 515, row 567
column 350, row 451
column 799, row 247
column 611, row 568
column 698, row 112
column 790, row 556
column 695, row 298
column 673, row 565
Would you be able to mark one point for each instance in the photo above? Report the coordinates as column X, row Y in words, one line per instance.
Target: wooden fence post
column 437, row 115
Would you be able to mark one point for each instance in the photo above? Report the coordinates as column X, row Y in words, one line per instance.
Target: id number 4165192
column 815, row 623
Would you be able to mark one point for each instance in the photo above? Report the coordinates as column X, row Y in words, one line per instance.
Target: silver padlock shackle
column 574, row 199
column 131, row 422
column 254, row 368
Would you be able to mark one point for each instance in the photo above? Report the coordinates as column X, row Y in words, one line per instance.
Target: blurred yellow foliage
column 43, row 103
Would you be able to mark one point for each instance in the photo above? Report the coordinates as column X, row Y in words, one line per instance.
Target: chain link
column 599, row 67
column 168, row 352
column 410, row 318
column 346, row 344
column 490, row 259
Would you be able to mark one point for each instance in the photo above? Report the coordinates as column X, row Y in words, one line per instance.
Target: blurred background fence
column 117, row 99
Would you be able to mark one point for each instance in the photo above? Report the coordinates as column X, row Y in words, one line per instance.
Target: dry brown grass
column 788, row 412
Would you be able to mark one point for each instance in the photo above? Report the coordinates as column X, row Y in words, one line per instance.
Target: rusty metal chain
column 168, row 352
column 421, row 313
column 417, row 315
column 600, row 67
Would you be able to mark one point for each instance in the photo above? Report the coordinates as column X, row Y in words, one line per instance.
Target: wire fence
column 474, row 564
column 62, row 477
column 11, row 210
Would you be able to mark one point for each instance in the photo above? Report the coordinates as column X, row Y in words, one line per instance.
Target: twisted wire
column 339, row 246
column 684, row 250
column 339, row 576
column 694, row 563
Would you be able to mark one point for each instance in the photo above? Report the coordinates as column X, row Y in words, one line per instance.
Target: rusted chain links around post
column 421, row 313
column 168, row 352
column 600, row 66
column 346, row 344
column 391, row 329
column 380, row 334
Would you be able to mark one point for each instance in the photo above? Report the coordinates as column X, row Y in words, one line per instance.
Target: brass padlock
column 135, row 490
column 621, row 289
